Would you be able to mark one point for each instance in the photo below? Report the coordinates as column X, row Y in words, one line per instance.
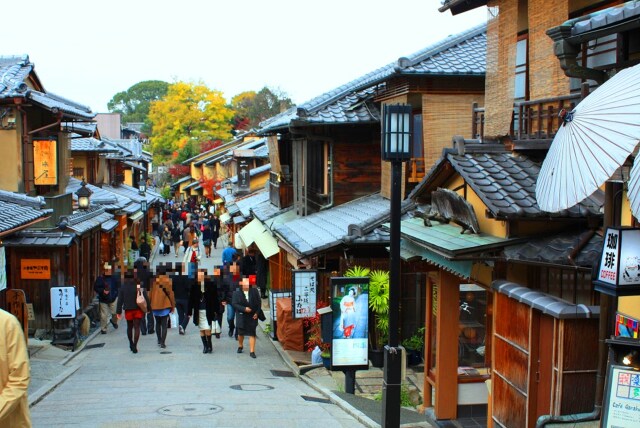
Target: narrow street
column 179, row 386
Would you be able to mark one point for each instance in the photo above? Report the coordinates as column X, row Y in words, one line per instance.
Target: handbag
column 173, row 319
column 261, row 315
column 141, row 301
column 215, row 327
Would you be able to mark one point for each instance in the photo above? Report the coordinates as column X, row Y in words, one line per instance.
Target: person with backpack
column 176, row 239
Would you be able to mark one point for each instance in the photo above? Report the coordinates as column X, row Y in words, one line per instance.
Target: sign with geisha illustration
column 350, row 325
column 305, row 290
column 45, row 162
column 619, row 271
column 63, row 302
column 622, row 407
column 35, row 269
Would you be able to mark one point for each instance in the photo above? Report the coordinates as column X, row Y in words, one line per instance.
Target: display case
column 472, row 325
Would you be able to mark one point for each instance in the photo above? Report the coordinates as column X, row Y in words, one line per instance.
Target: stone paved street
column 183, row 387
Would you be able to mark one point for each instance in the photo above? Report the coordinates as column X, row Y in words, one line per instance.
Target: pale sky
column 87, row 51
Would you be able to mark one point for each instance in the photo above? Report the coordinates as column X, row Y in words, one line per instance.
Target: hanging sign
column 35, row 269
column 244, row 180
column 304, row 293
column 45, row 162
column 619, row 271
column 350, row 326
column 63, row 302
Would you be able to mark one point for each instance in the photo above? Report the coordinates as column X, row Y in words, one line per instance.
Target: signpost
column 64, row 306
column 305, row 286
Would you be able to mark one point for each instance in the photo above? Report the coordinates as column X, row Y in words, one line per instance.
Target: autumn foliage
column 209, row 185
column 179, row 170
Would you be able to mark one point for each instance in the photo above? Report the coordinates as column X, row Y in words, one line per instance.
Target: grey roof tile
column 325, row 229
column 99, row 196
column 90, row 144
column 39, row 239
column 246, row 203
column 557, row 249
column 14, row 215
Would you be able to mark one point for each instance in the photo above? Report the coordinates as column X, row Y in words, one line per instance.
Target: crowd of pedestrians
column 184, row 291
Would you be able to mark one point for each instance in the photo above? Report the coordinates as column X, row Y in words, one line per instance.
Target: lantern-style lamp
column 142, row 186
column 229, row 187
column 396, row 132
column 619, row 270
column 143, row 205
column 84, row 195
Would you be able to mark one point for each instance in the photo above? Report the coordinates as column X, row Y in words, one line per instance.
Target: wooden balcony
column 533, row 123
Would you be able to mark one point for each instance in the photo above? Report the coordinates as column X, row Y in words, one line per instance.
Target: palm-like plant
column 379, row 304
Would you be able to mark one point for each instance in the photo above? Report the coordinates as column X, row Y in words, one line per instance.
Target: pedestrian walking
column 142, row 272
column 181, row 290
column 246, row 302
column 207, row 237
column 203, row 306
column 176, row 239
column 145, row 248
column 166, row 240
column 215, row 230
column 127, row 296
column 163, row 303
column 14, row 374
column 230, row 275
column 106, row 287
column 228, row 254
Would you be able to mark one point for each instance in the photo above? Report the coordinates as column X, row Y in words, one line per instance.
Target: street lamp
column 142, row 186
column 396, row 148
column 83, row 195
column 229, row 187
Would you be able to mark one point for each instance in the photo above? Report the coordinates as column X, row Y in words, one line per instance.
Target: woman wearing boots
column 203, row 306
column 132, row 313
column 163, row 303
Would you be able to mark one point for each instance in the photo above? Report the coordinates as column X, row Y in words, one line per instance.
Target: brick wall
column 443, row 116
column 546, row 78
column 501, row 55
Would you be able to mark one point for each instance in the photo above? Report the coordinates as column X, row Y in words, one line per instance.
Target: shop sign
column 622, row 409
column 350, row 325
column 35, row 269
column 64, row 302
column 619, row 270
column 45, row 162
column 244, row 183
column 304, row 293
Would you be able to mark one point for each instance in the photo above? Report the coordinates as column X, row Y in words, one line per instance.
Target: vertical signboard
column 619, row 270
column 3, row 269
column 244, row 181
column 350, row 326
column 63, row 302
column 45, row 162
column 622, row 409
column 304, row 293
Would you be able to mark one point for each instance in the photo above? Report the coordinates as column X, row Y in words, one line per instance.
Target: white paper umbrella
column 597, row 137
column 634, row 188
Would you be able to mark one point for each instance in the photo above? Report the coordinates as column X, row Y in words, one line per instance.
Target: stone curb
column 357, row 414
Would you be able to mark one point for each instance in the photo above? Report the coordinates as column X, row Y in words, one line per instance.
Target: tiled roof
column 22, row 199
column 83, row 221
column 459, row 6
column 326, row 229
column 57, row 103
column 557, row 249
column 14, row 214
column 90, row 144
column 248, row 202
column 191, row 185
column 506, row 183
column 252, row 172
column 603, row 18
column 133, row 193
column 461, row 54
column 102, row 197
column 87, row 129
column 180, row 181
column 39, row 239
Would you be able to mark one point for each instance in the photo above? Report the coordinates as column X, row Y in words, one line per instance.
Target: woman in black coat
column 247, row 307
column 203, row 306
column 127, row 300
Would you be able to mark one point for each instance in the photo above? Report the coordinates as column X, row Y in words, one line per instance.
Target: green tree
column 134, row 103
column 189, row 115
column 253, row 107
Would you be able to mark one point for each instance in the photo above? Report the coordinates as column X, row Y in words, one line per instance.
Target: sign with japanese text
column 63, row 302
column 350, row 326
column 244, row 180
column 305, row 290
column 3, row 269
column 35, row 269
column 622, row 408
column 45, row 162
column 620, row 259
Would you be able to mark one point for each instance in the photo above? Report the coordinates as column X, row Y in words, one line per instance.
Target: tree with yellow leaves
column 187, row 116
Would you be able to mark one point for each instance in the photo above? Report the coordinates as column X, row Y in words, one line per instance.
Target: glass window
column 520, row 87
column 473, row 331
column 430, row 358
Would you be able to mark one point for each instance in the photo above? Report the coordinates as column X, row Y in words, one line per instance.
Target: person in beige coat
column 14, row 374
column 163, row 303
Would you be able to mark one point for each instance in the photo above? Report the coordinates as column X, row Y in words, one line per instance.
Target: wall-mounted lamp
column 83, row 196
column 630, row 359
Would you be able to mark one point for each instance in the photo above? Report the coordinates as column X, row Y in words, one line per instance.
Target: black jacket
column 210, row 299
column 110, row 283
column 127, row 296
column 240, row 302
column 181, row 286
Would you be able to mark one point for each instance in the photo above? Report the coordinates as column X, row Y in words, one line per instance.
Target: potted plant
column 379, row 305
column 414, row 346
column 326, row 355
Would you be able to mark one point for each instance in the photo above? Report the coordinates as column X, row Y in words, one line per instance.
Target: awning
column 225, row 217
column 218, row 201
column 134, row 165
column 256, row 232
column 108, row 226
column 136, row 216
column 410, row 252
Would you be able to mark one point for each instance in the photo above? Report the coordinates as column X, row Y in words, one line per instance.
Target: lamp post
column 142, row 189
column 83, row 196
column 229, row 187
column 396, row 148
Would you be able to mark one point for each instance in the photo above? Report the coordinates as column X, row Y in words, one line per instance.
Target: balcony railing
column 533, row 123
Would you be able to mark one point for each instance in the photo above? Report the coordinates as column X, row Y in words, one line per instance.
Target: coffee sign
column 619, row 271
